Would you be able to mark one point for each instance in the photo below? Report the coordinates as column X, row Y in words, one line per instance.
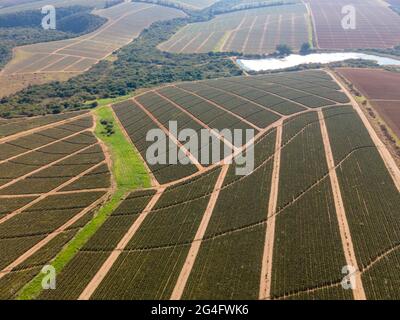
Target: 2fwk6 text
column 206, row 309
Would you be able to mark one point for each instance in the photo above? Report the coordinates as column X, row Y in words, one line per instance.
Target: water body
column 296, row 60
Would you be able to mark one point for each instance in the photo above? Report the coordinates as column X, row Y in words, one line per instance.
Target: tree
column 305, row 48
column 283, row 50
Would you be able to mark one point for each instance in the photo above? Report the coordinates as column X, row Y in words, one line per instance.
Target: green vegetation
column 23, row 28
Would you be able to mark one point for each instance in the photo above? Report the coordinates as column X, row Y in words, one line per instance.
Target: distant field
column 376, row 25
column 67, row 58
column 381, row 88
column 254, row 31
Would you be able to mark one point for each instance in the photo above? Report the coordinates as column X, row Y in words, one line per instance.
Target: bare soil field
column 254, row 31
column 381, row 88
column 377, row 26
column 60, row 60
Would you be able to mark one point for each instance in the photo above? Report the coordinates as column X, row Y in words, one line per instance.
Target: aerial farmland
column 142, row 161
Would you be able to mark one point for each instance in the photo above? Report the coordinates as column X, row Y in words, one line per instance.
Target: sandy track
column 195, row 247
column 344, row 229
column 107, row 265
column 192, row 158
column 390, row 163
column 52, row 192
column 212, row 131
column 266, row 268
column 50, row 237
column 221, row 108
column 41, row 128
column 43, row 146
